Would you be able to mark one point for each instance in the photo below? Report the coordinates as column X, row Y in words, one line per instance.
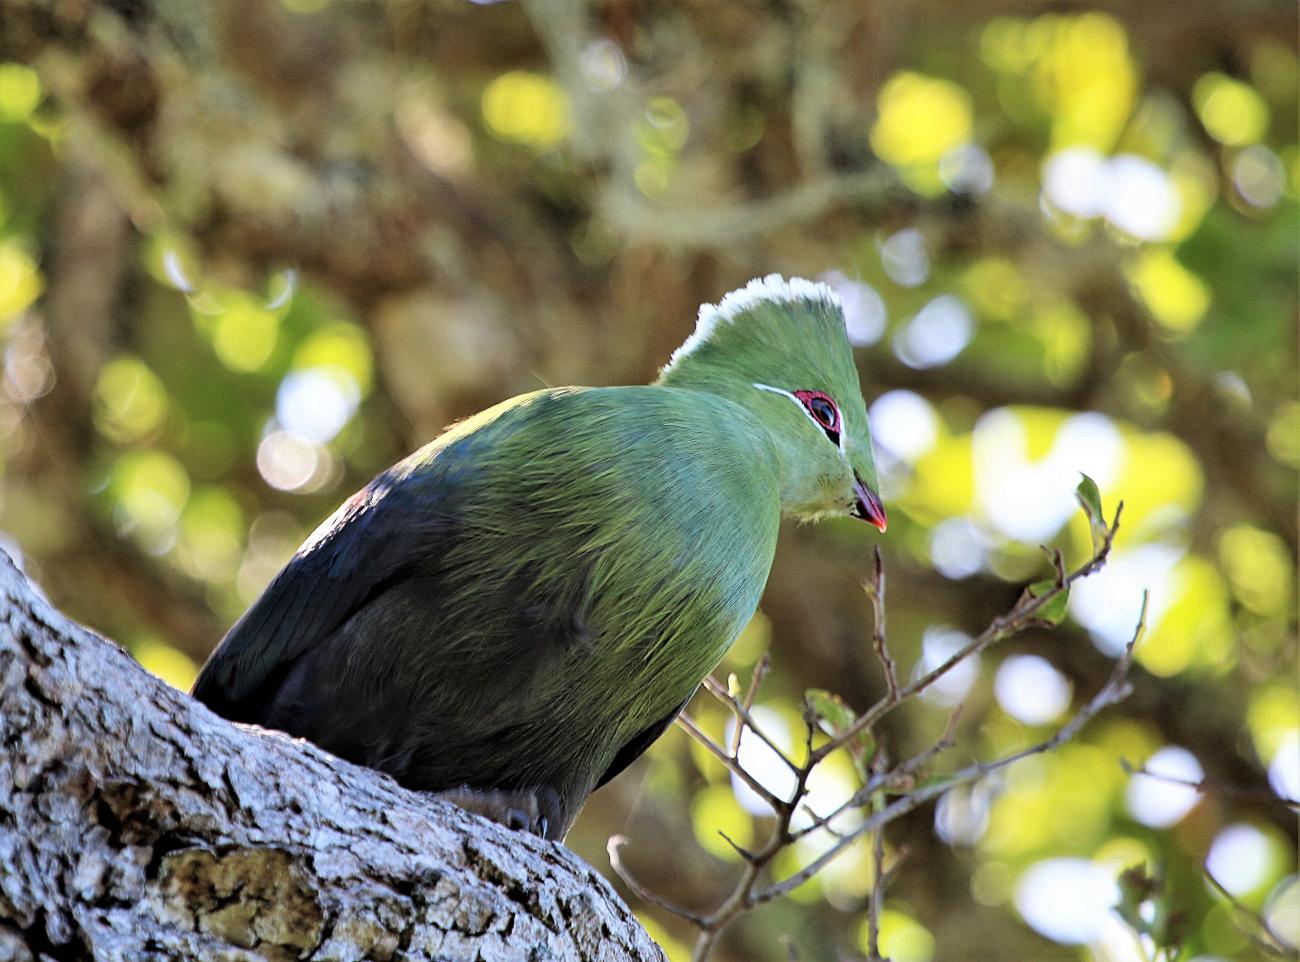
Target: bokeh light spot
column 130, row 400
column 1242, row 859
column 20, row 92
column 1066, row 899
column 526, row 108
column 904, row 424
column 938, row 644
column 1176, row 297
column 937, row 334
column 864, row 308
column 1232, row 112
column 1030, row 690
column 920, row 119
column 1159, row 801
column 20, row 281
column 317, row 402
column 902, row 938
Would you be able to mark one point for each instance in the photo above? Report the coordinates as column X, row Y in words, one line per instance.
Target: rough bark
column 135, row 824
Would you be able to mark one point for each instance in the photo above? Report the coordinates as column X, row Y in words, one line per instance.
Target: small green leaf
column 1145, row 905
column 830, row 709
column 1089, row 499
column 929, row 782
column 1053, row 611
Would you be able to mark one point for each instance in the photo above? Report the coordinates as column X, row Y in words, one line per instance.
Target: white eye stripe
column 808, row 414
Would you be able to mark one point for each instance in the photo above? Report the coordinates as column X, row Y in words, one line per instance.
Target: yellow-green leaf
column 1053, row 611
column 1089, row 499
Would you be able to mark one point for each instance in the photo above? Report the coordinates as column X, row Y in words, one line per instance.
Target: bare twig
column 1263, row 934
column 1206, row 787
column 614, row 849
column 755, row 682
column 883, row 779
column 687, row 724
column 875, row 904
column 876, row 592
column 1004, row 626
column 898, row 778
column 745, row 720
column 1115, row 689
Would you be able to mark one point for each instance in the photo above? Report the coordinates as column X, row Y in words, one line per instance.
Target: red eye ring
column 823, row 409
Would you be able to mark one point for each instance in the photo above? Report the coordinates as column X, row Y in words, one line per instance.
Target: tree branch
column 135, row 823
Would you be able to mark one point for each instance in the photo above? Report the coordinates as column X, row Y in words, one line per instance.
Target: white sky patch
column 904, row 423
column 285, row 285
column 1031, row 500
column 1067, row 899
column 958, row 548
column 1284, row 770
column 937, row 334
column 828, row 789
column 1259, row 176
column 905, row 259
column 1075, row 181
column 1141, row 199
column 291, row 462
column 864, row 308
column 1108, row 603
column 967, row 169
column 761, row 762
column 772, row 289
column 1282, row 909
column 316, row 402
column 962, row 815
column 1131, row 192
column 175, row 271
column 1030, row 690
column 1240, row 858
column 938, row 644
column 603, row 64
column 1158, row 802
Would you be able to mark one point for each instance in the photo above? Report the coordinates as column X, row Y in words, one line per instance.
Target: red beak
column 868, row 506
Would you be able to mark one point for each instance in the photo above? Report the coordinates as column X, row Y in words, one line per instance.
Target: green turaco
column 515, row 612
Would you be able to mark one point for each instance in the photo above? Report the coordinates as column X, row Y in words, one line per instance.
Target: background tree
column 252, row 253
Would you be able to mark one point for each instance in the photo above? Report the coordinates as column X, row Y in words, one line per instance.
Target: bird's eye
column 823, row 411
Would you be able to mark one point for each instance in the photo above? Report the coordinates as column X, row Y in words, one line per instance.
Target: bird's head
column 780, row 349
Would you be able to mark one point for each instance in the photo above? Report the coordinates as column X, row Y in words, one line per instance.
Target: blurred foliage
column 251, row 256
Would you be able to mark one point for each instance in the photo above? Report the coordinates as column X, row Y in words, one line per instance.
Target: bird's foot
column 535, row 810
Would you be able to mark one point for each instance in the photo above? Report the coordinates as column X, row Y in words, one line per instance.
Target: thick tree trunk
column 135, row 824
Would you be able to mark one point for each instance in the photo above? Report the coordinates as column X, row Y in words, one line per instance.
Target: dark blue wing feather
column 382, row 534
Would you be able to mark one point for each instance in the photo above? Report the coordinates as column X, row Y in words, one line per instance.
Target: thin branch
column 875, row 904
column 882, row 780
column 687, row 724
column 744, row 719
column 614, row 849
column 755, row 681
column 1004, row 626
column 896, row 778
column 876, row 592
column 1115, row 689
column 1271, row 942
column 724, row 225
column 1206, row 787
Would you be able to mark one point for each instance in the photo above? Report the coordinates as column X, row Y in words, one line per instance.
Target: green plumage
column 527, row 601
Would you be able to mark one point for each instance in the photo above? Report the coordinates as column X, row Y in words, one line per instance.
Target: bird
column 511, row 615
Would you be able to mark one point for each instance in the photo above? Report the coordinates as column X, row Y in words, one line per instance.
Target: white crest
column 772, row 289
